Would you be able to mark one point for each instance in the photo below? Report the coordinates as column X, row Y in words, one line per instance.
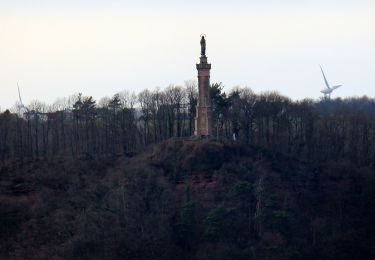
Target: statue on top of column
column 203, row 46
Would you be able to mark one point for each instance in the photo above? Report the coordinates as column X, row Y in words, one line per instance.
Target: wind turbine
column 21, row 106
column 328, row 90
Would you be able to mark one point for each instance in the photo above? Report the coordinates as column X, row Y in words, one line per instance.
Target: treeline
column 127, row 123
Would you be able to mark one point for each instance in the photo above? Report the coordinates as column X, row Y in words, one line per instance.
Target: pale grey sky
column 57, row 48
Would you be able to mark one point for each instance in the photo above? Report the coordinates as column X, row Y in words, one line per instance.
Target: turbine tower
column 21, row 107
column 328, row 90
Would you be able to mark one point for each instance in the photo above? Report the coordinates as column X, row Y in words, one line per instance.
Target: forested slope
column 122, row 179
column 187, row 199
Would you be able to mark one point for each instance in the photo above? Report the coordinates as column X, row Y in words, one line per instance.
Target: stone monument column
column 203, row 127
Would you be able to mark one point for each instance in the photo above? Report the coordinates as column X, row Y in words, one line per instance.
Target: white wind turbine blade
column 335, row 87
column 19, row 94
column 324, row 76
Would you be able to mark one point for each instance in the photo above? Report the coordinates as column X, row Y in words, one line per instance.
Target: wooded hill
column 110, row 181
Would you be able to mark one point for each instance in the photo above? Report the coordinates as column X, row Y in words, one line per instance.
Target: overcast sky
column 58, row 48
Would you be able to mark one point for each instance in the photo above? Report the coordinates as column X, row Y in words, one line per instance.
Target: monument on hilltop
column 203, row 126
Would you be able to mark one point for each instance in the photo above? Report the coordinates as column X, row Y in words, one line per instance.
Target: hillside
column 186, row 199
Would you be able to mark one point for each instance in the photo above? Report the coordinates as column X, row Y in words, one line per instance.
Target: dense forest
column 339, row 129
column 122, row 178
